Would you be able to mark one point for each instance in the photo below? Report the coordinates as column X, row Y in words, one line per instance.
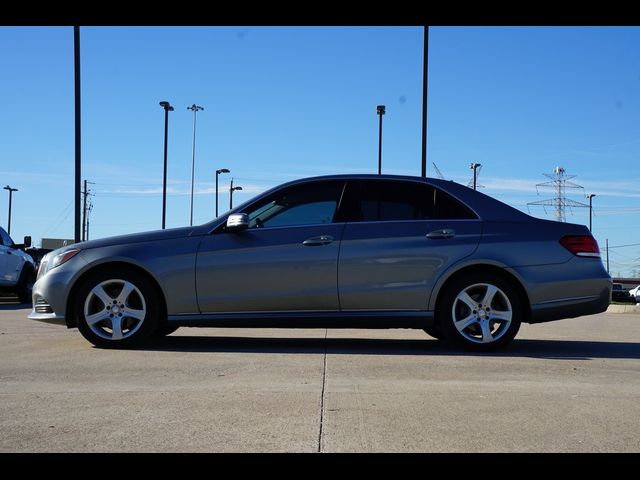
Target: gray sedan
column 347, row 251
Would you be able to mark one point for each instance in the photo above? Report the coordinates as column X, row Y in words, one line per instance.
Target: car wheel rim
column 482, row 313
column 115, row 309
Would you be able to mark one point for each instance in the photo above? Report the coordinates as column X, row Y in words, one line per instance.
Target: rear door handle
column 316, row 241
column 441, row 234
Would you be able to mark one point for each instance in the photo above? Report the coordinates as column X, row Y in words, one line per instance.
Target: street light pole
column 11, row 190
column 380, row 110
column 194, row 108
column 218, row 172
column 474, row 167
column 167, row 108
column 590, row 197
column 231, row 190
column 425, row 74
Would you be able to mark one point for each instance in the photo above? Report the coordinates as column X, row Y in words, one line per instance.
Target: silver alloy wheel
column 114, row 309
column 482, row 313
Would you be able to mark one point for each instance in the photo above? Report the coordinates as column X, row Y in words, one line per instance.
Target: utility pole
column 86, row 208
column 11, row 190
column 84, row 211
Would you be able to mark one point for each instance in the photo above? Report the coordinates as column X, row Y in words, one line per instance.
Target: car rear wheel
column 117, row 309
column 480, row 312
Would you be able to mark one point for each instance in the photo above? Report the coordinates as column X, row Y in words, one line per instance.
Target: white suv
column 635, row 293
column 17, row 269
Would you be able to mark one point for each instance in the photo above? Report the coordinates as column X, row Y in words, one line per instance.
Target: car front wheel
column 116, row 308
column 480, row 312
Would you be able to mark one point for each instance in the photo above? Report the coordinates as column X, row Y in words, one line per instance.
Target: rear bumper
column 570, row 307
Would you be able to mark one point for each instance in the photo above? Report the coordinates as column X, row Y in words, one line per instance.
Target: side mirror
column 237, row 222
column 27, row 241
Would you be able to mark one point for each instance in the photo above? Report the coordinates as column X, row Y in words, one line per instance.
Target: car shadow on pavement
column 11, row 305
column 547, row 349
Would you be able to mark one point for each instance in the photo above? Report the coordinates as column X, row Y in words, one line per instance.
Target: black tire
column 124, row 306
column 487, row 308
column 25, row 288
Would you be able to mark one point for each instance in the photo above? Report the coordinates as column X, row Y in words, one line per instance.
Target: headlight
column 60, row 258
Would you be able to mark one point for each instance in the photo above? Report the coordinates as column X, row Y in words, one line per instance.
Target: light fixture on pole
column 11, row 190
column 380, row 110
column 231, row 190
column 590, row 197
column 167, row 108
column 218, row 172
column 474, row 167
column 194, row 108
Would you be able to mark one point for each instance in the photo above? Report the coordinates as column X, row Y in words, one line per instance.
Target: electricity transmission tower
column 560, row 181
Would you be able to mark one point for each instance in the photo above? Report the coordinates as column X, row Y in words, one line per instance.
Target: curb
column 624, row 308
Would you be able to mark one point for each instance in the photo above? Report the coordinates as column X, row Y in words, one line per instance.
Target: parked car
column 620, row 294
column 634, row 293
column 346, row 251
column 37, row 254
column 17, row 269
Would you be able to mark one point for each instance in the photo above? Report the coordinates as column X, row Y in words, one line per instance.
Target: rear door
column 400, row 235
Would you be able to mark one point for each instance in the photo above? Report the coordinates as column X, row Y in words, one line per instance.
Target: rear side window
column 394, row 200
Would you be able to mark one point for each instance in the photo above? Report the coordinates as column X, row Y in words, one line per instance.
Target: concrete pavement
column 566, row 386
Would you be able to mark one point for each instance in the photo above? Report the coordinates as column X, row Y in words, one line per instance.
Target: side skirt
column 386, row 319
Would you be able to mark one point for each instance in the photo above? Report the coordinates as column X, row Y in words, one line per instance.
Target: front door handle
column 441, row 234
column 316, row 241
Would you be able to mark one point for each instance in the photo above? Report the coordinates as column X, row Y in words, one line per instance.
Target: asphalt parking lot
column 567, row 386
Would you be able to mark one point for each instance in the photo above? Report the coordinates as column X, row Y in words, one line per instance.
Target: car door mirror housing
column 237, row 222
column 27, row 241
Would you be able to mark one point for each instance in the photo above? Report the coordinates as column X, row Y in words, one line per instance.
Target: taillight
column 581, row 245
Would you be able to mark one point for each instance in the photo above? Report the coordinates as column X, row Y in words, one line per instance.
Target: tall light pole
column 194, row 108
column 218, row 172
column 474, row 167
column 380, row 110
column 11, row 190
column 78, row 132
column 231, row 190
column 167, row 108
column 425, row 72
column 590, row 197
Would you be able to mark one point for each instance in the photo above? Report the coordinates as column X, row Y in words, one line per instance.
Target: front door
column 287, row 260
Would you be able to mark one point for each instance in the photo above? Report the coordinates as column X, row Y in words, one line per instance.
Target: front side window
column 305, row 204
column 394, row 200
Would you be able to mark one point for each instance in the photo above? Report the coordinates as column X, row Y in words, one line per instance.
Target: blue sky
column 288, row 102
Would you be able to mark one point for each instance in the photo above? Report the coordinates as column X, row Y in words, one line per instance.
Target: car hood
column 155, row 235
